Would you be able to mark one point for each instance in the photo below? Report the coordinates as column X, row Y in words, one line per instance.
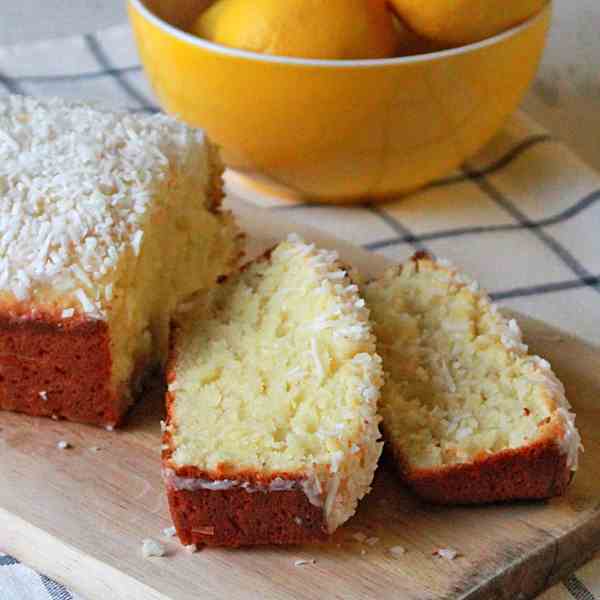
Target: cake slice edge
column 280, row 507
column 538, row 470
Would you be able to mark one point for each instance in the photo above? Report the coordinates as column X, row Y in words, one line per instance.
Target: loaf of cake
column 468, row 415
column 107, row 220
column 273, row 380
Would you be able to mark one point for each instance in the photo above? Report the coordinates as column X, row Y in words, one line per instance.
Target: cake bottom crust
column 535, row 472
column 236, row 517
column 61, row 369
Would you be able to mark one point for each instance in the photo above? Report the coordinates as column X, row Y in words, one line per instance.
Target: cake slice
column 468, row 415
column 272, row 428
column 107, row 220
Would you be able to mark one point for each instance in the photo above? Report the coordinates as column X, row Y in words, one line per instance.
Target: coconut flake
column 317, row 360
column 397, row 551
column 447, row 553
column 151, row 548
column 169, row 532
column 304, row 561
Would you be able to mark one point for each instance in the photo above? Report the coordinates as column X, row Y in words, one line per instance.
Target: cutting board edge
column 566, row 559
column 92, row 578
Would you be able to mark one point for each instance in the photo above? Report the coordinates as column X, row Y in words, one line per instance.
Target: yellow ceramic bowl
column 337, row 130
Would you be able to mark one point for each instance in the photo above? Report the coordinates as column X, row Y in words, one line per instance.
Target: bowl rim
column 140, row 6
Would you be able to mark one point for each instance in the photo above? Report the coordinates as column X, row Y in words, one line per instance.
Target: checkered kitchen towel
column 523, row 216
column 18, row 582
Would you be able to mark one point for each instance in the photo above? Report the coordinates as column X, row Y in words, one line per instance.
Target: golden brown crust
column 537, row 471
column 237, row 517
column 59, row 368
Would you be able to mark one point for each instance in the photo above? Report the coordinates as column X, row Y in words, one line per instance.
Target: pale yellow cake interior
column 261, row 384
column 108, row 216
column 184, row 249
column 459, row 382
column 276, row 377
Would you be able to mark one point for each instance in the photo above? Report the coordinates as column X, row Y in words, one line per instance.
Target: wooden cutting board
column 80, row 515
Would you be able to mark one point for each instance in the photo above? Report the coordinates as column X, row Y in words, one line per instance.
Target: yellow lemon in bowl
column 460, row 22
column 317, row 29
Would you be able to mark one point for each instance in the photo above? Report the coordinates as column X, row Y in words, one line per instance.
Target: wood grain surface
column 80, row 515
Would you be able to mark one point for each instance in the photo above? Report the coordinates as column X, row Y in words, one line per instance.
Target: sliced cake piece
column 107, row 219
column 272, row 431
column 468, row 414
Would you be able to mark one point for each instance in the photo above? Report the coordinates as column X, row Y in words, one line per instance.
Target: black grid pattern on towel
column 55, row 590
column 578, row 589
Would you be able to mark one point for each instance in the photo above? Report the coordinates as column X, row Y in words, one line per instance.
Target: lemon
column 321, row 29
column 458, row 22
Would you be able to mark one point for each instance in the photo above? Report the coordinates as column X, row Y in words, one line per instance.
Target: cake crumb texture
column 272, row 401
column 107, row 220
column 469, row 415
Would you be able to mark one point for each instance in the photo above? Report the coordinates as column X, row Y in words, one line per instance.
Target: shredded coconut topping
column 315, row 354
column 541, row 372
column 76, row 183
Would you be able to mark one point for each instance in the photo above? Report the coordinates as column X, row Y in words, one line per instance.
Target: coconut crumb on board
column 397, row 551
column 151, row 548
column 63, row 445
column 169, row 532
column 447, row 553
column 304, row 561
column 191, row 548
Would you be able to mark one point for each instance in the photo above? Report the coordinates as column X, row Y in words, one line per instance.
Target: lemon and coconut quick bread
column 273, row 380
column 468, row 414
column 107, row 219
